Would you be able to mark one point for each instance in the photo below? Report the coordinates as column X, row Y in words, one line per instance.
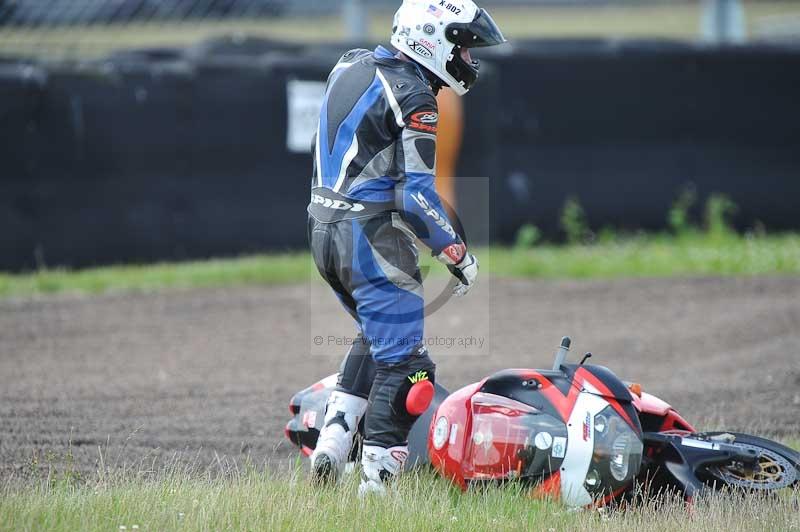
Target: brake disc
column 772, row 471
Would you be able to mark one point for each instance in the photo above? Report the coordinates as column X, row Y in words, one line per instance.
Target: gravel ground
column 204, row 376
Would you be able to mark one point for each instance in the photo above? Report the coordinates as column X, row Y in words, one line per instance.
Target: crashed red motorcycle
column 575, row 432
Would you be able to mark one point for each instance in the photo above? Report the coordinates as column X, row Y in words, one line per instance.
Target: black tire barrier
column 624, row 127
column 22, row 88
column 165, row 154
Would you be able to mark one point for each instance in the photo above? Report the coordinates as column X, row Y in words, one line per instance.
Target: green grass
column 695, row 254
column 264, row 269
column 254, row 500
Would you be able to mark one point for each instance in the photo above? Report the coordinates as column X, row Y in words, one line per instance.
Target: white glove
column 462, row 264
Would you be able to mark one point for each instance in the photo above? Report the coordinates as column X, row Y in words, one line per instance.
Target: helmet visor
column 482, row 31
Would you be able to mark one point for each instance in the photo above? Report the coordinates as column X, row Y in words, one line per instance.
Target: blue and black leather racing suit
column 372, row 196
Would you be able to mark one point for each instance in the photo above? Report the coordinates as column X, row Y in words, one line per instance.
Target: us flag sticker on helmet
column 435, row 11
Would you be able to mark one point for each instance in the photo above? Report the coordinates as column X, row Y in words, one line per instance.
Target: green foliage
column 718, row 210
column 607, row 235
column 678, row 217
column 527, row 237
column 573, row 222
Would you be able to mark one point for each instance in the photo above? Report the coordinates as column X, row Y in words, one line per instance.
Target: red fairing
column 562, row 403
column 650, row 404
column 550, row 488
column 672, row 420
column 449, row 459
column 565, row 403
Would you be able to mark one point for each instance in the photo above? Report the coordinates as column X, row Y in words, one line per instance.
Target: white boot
column 342, row 415
column 379, row 466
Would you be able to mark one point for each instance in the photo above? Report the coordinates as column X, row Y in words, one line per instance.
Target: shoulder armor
column 354, row 55
column 411, row 92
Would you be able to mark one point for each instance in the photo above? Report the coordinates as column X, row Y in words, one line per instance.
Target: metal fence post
column 723, row 21
column 355, row 17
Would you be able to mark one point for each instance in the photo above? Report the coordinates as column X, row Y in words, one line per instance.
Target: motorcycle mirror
column 561, row 354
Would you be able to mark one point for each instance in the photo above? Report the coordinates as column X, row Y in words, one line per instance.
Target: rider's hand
column 462, row 264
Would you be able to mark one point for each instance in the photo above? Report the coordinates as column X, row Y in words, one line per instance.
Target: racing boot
column 379, row 465
column 400, row 393
column 342, row 415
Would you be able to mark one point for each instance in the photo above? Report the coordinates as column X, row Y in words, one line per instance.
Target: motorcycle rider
column 372, row 195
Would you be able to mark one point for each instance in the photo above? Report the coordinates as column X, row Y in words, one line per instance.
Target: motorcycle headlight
column 440, row 432
column 604, row 452
column 621, row 456
column 617, row 452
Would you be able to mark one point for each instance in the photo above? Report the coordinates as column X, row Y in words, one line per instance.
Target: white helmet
column 433, row 32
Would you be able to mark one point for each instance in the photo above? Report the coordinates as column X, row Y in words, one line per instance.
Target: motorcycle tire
column 779, row 466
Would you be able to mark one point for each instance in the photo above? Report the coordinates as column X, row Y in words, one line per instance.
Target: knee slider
column 420, row 393
column 419, row 397
column 400, row 394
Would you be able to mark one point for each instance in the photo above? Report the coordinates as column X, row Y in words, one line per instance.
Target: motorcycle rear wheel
column 779, row 466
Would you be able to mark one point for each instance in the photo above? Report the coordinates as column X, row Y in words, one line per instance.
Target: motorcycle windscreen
column 510, row 439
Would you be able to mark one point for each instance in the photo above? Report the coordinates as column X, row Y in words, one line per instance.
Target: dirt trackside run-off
column 200, row 375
